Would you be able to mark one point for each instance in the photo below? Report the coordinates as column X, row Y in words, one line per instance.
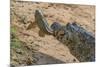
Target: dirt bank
column 45, row 50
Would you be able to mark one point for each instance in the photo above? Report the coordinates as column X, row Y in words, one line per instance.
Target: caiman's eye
column 56, row 26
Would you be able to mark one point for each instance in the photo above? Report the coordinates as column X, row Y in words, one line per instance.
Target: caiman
column 80, row 42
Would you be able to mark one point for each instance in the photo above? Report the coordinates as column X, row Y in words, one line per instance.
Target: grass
column 15, row 42
column 13, row 30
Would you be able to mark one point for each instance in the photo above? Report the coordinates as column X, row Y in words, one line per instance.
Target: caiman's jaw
column 42, row 22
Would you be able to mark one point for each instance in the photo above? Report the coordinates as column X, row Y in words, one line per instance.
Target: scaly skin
column 80, row 42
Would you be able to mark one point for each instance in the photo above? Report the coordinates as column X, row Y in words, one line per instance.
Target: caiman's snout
column 42, row 22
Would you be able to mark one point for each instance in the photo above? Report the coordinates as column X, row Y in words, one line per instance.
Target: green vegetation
column 15, row 42
column 13, row 30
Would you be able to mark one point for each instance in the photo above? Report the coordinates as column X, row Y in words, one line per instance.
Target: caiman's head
column 60, row 32
column 56, row 27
